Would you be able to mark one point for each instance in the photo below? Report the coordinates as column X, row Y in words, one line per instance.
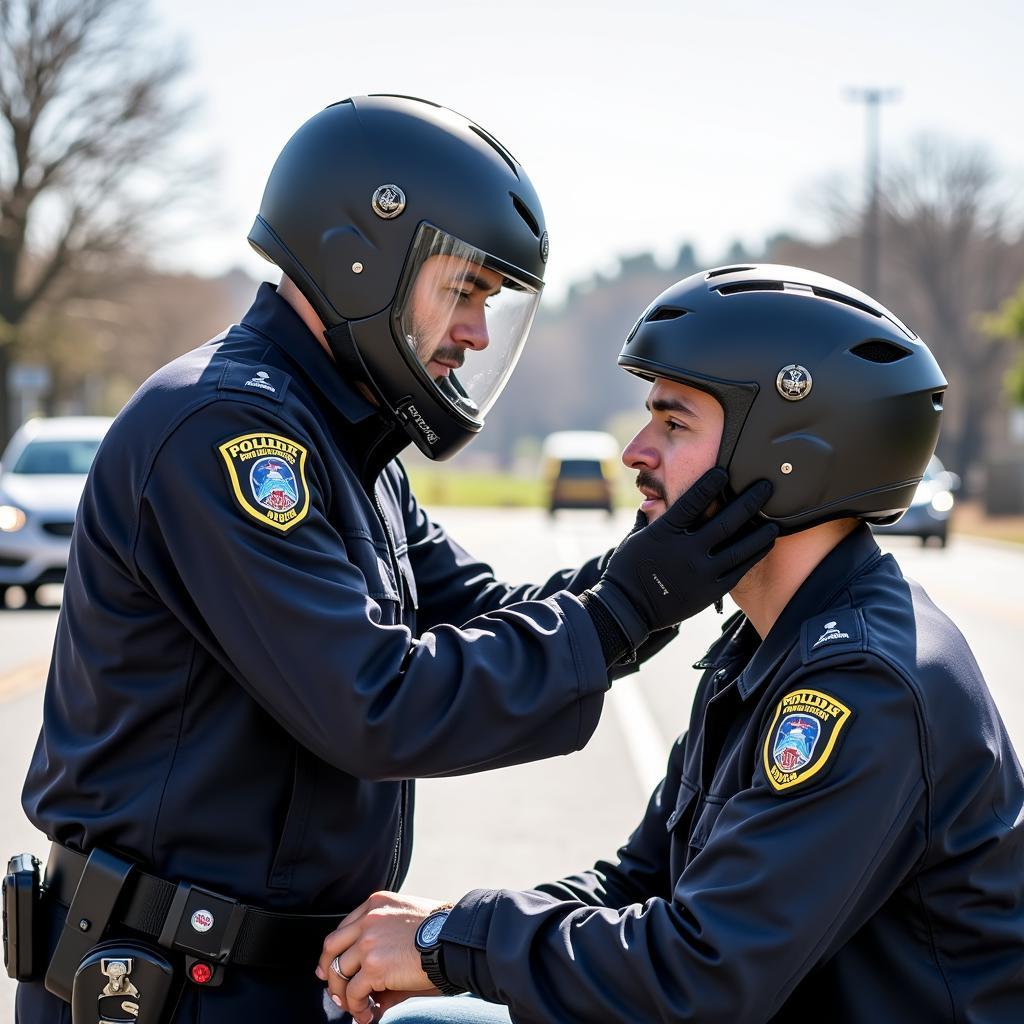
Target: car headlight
column 12, row 518
column 942, row 501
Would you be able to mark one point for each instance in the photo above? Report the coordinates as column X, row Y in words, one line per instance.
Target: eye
column 672, row 425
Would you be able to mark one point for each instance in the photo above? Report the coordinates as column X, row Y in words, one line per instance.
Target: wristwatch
column 428, row 942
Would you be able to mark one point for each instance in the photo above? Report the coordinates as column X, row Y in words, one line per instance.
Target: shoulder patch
column 842, row 628
column 267, row 473
column 266, row 381
column 802, row 737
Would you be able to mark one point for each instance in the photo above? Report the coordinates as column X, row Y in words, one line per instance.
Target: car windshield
column 57, row 456
column 586, row 469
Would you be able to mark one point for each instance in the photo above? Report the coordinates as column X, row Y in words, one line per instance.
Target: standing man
column 840, row 834
column 263, row 636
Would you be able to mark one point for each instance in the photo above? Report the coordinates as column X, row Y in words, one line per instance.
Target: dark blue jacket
column 263, row 635
column 839, row 837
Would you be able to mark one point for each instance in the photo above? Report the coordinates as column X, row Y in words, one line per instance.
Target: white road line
column 648, row 748
column 646, row 745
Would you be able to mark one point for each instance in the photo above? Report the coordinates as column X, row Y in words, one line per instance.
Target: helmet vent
column 497, row 147
column 750, row 286
column 526, row 213
column 937, row 397
column 877, row 350
column 724, row 270
column 666, row 313
column 825, row 293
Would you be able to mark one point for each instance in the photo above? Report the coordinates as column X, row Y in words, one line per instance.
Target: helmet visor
column 464, row 316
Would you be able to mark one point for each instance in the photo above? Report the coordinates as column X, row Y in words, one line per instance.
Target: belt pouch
column 91, row 909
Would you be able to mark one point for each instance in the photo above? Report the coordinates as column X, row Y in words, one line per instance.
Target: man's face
column 678, row 445
column 447, row 308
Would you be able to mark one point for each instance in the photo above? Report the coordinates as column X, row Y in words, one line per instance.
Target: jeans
column 442, row 1010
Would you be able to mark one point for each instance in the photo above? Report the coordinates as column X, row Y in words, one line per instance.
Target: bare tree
column 949, row 252
column 948, row 217
column 88, row 109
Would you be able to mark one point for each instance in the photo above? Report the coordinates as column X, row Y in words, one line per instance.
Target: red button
column 201, row 973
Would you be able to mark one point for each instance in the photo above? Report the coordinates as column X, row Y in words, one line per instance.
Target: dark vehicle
column 931, row 509
column 579, row 466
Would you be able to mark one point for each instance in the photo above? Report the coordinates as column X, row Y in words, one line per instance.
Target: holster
column 124, row 982
column 126, row 928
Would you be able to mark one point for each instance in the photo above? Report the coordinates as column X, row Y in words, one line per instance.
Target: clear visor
column 464, row 318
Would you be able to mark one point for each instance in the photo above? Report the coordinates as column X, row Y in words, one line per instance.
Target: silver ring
column 336, row 967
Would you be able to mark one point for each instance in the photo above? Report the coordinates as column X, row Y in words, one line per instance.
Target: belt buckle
column 202, row 923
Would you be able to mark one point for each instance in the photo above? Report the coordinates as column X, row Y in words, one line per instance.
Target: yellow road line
column 24, row 678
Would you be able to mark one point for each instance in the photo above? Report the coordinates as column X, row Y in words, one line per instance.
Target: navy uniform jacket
column 839, row 837
column 262, row 635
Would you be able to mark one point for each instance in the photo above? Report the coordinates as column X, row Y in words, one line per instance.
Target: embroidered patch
column 838, row 628
column 267, row 473
column 266, row 381
column 802, row 737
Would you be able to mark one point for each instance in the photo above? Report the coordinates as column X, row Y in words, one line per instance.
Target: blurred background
column 875, row 144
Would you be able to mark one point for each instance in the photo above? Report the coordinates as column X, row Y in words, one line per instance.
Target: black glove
column 673, row 568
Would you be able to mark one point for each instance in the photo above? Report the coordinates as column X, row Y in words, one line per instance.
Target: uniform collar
column 833, row 574
column 274, row 319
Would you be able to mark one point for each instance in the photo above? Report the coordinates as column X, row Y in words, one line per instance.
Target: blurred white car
column 42, row 474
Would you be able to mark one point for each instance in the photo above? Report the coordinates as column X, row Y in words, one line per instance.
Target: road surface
column 523, row 825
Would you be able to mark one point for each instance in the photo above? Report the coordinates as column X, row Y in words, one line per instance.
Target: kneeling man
column 839, row 835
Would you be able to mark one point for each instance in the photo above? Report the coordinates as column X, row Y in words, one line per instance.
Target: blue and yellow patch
column 268, row 478
column 802, row 737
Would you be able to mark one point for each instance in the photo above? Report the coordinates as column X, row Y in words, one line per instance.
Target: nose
column 471, row 330
column 640, row 453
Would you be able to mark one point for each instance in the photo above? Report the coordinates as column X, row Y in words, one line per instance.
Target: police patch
column 802, row 737
column 267, row 474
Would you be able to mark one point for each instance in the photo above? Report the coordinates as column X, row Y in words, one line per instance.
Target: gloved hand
column 673, row 568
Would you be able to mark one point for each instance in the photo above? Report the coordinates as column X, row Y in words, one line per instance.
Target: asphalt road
column 520, row 826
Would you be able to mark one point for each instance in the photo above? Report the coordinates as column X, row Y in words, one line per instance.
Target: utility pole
column 871, row 239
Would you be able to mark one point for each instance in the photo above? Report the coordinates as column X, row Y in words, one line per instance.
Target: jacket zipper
column 396, row 857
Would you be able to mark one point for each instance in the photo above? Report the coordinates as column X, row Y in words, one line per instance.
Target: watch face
column 430, row 930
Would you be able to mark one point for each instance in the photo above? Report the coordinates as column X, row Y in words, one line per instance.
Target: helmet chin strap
column 343, row 348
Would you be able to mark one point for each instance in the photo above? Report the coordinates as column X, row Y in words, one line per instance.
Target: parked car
column 580, row 467
column 930, row 511
column 42, row 474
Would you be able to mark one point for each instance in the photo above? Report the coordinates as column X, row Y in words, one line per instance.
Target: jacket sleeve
column 454, row 586
column 777, row 887
column 291, row 618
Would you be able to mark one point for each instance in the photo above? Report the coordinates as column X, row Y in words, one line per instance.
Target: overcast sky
column 643, row 123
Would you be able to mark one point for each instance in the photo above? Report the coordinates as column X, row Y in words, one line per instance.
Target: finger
column 693, row 502
column 338, row 980
column 740, row 510
column 357, row 996
column 747, row 550
column 334, row 945
column 731, row 578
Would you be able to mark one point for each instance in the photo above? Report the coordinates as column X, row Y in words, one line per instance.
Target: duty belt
column 199, row 922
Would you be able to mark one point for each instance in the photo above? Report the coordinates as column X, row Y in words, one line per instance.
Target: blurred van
column 579, row 468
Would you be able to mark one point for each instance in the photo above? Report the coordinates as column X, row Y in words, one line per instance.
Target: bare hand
column 376, row 950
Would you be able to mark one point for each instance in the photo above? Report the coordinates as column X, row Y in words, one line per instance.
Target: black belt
column 198, row 921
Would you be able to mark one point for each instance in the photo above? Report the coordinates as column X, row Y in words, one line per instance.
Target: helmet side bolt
column 787, row 468
column 357, row 268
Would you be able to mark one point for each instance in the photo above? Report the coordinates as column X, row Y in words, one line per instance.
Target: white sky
column 642, row 123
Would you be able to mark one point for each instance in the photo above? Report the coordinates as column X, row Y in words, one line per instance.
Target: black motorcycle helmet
column 403, row 224
column 825, row 392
